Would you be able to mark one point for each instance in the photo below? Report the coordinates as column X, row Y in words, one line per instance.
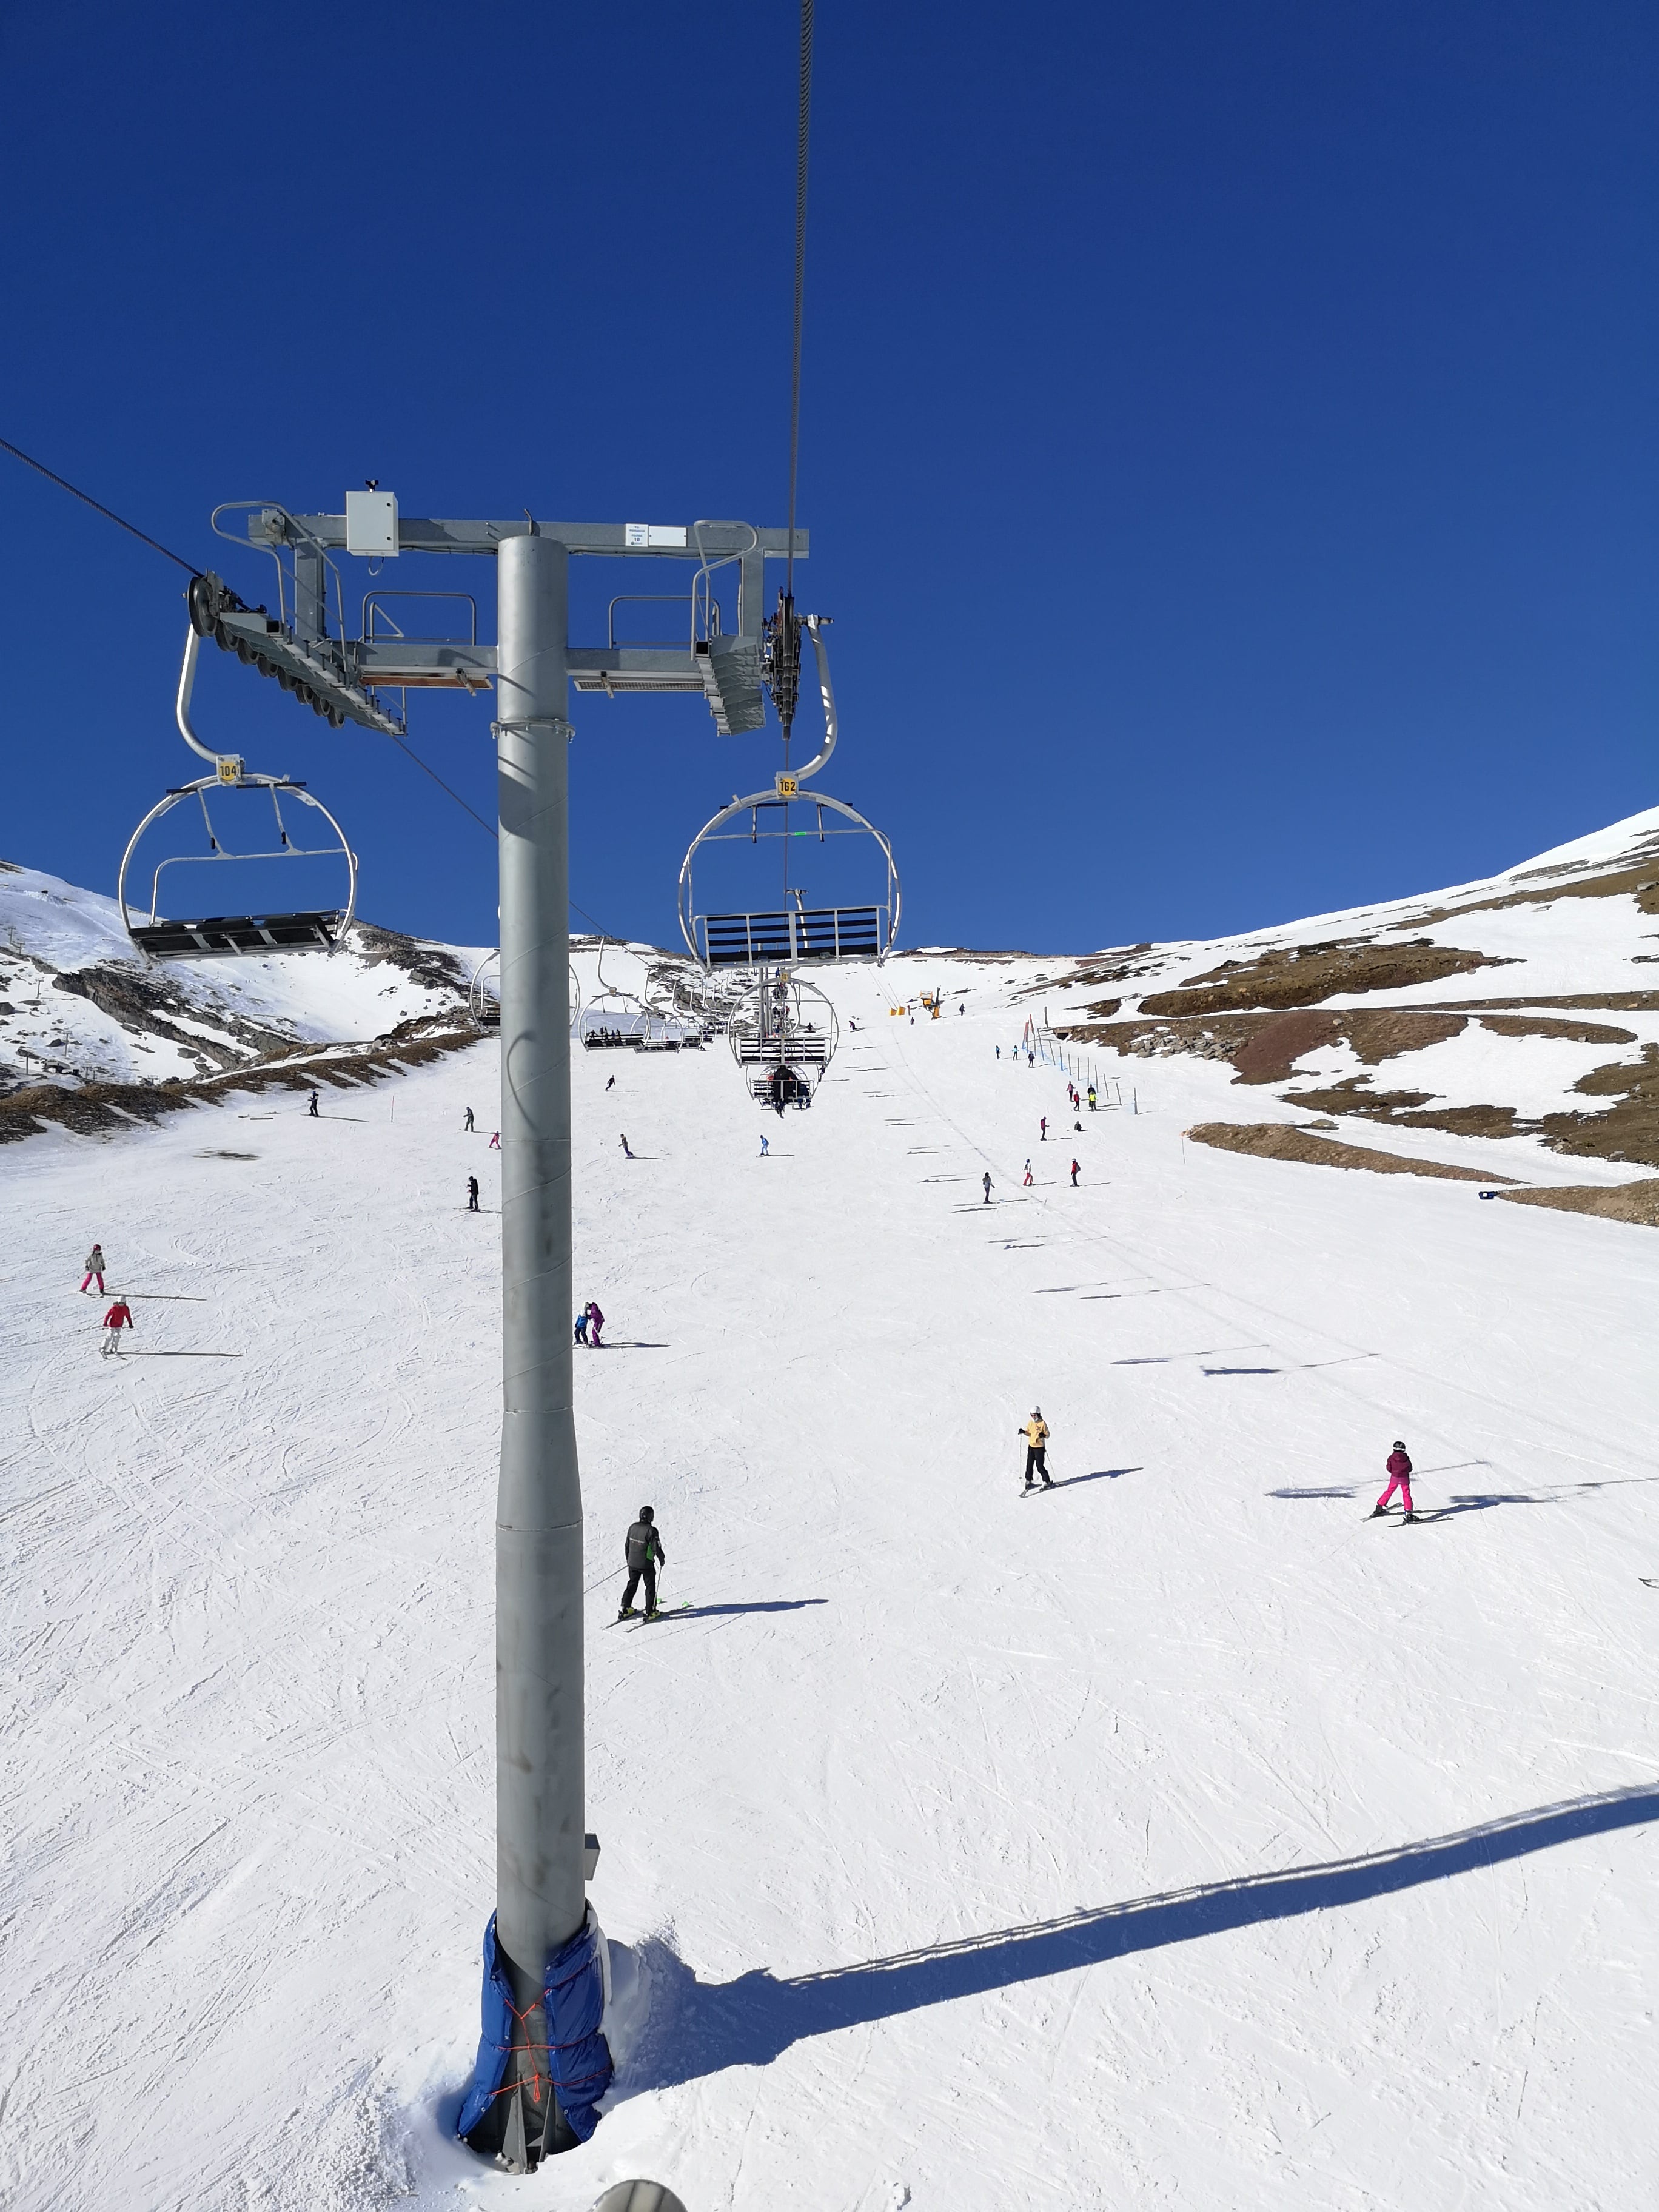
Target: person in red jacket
column 1400, row 1478
column 119, row 1318
column 1075, row 1171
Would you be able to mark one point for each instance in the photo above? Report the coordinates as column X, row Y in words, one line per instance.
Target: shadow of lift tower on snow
column 699, row 2028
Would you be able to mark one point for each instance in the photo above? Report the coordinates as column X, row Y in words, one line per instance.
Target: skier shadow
column 698, row 2028
column 1100, row 1474
column 1361, row 1489
column 1478, row 1502
column 1240, row 1370
column 759, row 1605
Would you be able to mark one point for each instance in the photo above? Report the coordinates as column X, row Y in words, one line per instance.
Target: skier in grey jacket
column 644, row 1554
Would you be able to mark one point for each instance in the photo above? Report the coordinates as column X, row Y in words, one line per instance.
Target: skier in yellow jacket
column 1035, row 1433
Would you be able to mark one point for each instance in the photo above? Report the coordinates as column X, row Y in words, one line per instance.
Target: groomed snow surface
column 1180, row 1838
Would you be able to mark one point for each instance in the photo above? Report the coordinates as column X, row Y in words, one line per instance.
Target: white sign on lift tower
column 371, row 519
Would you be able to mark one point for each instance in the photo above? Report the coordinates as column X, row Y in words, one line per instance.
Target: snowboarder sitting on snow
column 644, row 1554
column 1035, row 1433
column 119, row 1318
column 94, row 1269
column 1400, row 1478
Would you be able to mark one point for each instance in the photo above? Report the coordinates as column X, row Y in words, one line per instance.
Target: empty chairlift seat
column 240, row 932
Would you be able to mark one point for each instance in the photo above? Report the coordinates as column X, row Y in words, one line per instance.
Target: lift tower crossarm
column 422, row 534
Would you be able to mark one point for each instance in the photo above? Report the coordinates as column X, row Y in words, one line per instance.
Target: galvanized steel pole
column 540, row 1899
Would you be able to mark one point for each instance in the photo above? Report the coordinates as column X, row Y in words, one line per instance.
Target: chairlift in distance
column 670, row 997
column 613, row 1015
column 297, row 931
column 783, row 1039
column 484, row 995
column 789, row 935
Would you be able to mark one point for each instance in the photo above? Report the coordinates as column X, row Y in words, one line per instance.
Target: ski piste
column 1452, row 1827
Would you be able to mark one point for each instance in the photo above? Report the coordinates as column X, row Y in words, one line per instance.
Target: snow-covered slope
column 78, row 1005
column 1179, row 1838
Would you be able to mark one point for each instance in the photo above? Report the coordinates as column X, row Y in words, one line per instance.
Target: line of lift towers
column 543, row 1940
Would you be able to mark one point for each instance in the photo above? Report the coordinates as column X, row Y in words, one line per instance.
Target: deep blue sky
column 1229, row 435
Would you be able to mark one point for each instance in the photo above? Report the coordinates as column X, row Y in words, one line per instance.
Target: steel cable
column 52, row 476
column 802, row 136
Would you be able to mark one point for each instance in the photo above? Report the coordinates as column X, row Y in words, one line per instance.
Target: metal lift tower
column 543, row 2061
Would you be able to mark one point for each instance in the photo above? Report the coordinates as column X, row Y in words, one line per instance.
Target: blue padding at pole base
column 579, row 2057
column 495, row 2043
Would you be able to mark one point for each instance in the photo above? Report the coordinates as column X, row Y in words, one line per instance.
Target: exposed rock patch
column 1304, row 974
column 1282, row 1140
column 1264, row 1047
column 1631, row 1201
column 1640, row 882
column 132, row 997
column 419, row 959
column 96, row 1109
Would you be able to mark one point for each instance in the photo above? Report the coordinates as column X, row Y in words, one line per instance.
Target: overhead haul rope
column 52, row 476
column 802, row 138
column 802, row 130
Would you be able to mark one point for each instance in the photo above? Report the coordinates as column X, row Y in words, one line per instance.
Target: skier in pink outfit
column 1400, row 1478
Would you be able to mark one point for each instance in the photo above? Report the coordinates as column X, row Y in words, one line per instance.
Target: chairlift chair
column 485, row 995
column 794, row 933
column 301, row 930
column 784, row 1039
